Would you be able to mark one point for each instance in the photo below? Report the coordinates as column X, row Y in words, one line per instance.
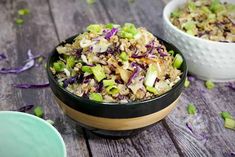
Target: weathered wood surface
column 51, row 21
column 37, row 34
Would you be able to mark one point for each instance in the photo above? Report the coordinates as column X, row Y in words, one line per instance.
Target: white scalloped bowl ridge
column 209, row 60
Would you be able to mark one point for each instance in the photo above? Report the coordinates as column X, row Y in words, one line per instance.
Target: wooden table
column 51, row 21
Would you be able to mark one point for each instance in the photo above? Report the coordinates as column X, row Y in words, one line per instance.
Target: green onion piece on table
column 23, row 11
column 229, row 123
column 90, row 1
column 225, row 115
column 19, row 21
column 50, row 121
column 191, row 109
column 186, row 83
column 38, row 111
column 209, row 84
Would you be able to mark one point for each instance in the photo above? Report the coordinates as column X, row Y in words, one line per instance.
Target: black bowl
column 113, row 119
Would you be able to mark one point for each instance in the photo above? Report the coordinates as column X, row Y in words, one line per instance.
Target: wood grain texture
column 38, row 34
column 153, row 142
column 218, row 141
column 51, row 21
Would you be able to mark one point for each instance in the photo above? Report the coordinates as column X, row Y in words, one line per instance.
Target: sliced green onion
column 126, row 35
column 98, row 72
column 176, row 13
column 90, row 1
column 113, row 90
column 38, row 111
column 225, row 115
column 108, row 83
column 151, row 75
column 191, row 6
column 152, row 90
column 216, row 7
column 128, row 31
column 94, row 28
column 209, row 84
column 190, row 27
column 178, row 60
column 23, row 11
column 191, row 109
column 19, row 21
column 112, row 25
column 86, row 68
column 229, row 123
column 171, row 52
column 124, row 56
column 58, row 66
column 50, row 121
column 96, row 97
column 186, row 83
column 70, row 62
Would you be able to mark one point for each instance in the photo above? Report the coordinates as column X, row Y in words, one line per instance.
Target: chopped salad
column 207, row 19
column 113, row 63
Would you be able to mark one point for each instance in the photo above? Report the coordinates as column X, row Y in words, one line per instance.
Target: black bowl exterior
column 88, row 109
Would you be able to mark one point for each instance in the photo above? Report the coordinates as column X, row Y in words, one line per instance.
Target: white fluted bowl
column 209, row 60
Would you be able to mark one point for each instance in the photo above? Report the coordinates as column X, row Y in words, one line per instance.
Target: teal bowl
column 25, row 135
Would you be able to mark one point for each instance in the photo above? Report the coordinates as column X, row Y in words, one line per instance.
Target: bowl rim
column 41, row 121
column 132, row 103
column 166, row 19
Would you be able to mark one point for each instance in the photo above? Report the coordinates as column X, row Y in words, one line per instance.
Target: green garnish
column 123, row 56
column 108, row 83
column 209, row 84
column 229, row 123
column 50, row 121
column 152, row 90
column 128, row 31
column 90, row 1
column 19, row 21
column 86, row 68
column 225, row 115
column 190, row 27
column 191, row 109
column 38, row 111
column 94, row 28
column 112, row 25
column 40, row 59
column 178, row 60
column 186, row 83
column 58, row 66
column 96, row 97
column 216, row 7
column 70, row 62
column 176, row 13
column 191, row 6
column 171, row 52
column 23, row 11
column 151, row 75
column 98, row 72
column 113, row 90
